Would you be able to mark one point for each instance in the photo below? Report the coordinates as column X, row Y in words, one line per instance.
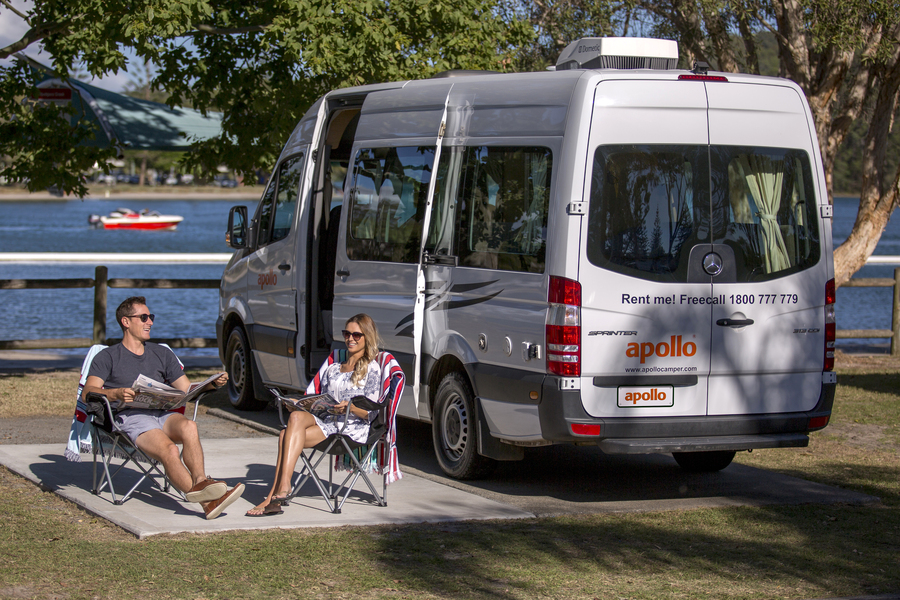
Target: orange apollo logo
column 673, row 348
column 269, row 278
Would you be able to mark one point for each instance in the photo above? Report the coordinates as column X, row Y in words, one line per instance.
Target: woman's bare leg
column 301, row 432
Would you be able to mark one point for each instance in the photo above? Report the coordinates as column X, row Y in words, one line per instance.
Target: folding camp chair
column 94, row 430
column 378, row 454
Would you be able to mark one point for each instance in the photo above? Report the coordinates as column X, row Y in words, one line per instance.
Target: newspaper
column 320, row 405
column 152, row 394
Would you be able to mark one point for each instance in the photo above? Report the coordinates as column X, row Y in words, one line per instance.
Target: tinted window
column 387, row 203
column 651, row 204
column 503, row 199
column 648, row 206
column 275, row 214
column 288, row 193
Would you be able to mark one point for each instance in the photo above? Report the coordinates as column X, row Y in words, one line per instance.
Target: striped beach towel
column 392, row 381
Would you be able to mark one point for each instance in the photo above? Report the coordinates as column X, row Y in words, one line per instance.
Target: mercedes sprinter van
column 615, row 252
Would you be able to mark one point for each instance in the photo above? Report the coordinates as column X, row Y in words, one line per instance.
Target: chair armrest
column 101, row 410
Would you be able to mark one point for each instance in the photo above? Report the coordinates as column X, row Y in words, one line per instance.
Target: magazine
column 320, row 405
column 152, row 394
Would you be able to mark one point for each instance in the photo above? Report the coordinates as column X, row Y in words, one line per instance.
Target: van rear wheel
column 240, row 372
column 704, row 462
column 454, row 430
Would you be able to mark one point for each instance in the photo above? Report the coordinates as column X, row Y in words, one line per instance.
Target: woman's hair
column 373, row 342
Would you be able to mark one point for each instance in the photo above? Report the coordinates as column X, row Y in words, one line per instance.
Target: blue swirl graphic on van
column 440, row 299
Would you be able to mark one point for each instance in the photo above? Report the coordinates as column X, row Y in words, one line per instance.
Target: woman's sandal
column 272, row 508
column 282, row 500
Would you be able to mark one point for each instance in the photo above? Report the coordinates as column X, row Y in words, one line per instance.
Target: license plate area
column 646, row 396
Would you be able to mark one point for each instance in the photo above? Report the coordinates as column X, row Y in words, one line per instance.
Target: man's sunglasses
column 143, row 317
column 354, row 334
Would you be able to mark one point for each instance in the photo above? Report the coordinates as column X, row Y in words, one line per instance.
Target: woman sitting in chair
column 358, row 375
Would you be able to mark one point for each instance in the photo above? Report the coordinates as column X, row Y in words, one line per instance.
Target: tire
column 704, row 462
column 454, row 430
column 240, row 372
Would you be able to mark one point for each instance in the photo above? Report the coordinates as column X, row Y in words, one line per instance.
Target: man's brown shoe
column 215, row 507
column 206, row 490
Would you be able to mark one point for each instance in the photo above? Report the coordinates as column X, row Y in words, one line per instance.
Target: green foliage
column 42, row 141
column 262, row 64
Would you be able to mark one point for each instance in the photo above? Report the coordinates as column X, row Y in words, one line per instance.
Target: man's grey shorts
column 137, row 421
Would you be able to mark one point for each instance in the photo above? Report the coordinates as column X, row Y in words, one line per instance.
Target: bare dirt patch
column 860, row 435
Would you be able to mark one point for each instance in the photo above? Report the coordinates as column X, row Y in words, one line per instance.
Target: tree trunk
column 874, row 212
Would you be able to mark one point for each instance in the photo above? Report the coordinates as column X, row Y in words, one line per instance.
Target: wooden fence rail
column 101, row 283
column 893, row 333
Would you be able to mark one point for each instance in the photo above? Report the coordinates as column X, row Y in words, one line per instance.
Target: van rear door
column 768, row 337
column 646, row 300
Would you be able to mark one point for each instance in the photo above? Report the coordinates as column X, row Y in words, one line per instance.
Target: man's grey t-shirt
column 118, row 366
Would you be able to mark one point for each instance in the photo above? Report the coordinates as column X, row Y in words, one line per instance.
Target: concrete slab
column 251, row 460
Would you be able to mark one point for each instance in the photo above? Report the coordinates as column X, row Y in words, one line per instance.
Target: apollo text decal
column 265, row 279
column 675, row 347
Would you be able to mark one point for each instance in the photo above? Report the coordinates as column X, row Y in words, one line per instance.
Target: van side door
column 272, row 272
column 384, row 207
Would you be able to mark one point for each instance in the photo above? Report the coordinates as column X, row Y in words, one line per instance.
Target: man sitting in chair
column 156, row 432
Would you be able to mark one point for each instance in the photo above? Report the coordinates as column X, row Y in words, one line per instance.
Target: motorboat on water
column 125, row 218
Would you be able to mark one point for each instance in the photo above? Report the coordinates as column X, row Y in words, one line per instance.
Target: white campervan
column 615, row 252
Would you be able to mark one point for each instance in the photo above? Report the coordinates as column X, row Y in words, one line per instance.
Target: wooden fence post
column 101, row 287
column 895, row 316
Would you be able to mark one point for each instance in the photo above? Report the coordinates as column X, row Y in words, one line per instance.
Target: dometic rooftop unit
column 619, row 53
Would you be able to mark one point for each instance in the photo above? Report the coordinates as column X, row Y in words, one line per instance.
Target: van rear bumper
column 560, row 409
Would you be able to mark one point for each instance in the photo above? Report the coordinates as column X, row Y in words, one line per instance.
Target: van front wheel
column 454, row 430
column 240, row 372
column 704, row 462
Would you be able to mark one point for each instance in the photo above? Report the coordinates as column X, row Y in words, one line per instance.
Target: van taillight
column 564, row 327
column 830, row 326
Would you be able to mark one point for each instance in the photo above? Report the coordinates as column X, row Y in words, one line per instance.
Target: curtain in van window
column 650, row 205
column 763, row 177
column 769, row 208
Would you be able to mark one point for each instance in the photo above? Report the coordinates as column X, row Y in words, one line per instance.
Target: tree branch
column 212, row 30
column 35, row 34
column 13, row 8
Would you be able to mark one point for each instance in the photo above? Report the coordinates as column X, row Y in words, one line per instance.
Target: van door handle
column 343, row 273
column 284, row 267
column 734, row 322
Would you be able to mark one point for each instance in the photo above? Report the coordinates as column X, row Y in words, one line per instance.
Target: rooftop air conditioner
column 619, row 53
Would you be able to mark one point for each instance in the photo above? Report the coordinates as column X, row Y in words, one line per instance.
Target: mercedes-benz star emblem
column 712, row 264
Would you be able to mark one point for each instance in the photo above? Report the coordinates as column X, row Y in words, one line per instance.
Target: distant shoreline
column 125, row 195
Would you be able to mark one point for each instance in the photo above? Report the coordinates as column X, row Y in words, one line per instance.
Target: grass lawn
column 52, row 549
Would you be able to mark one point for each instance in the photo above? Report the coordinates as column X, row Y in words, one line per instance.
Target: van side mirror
column 236, row 234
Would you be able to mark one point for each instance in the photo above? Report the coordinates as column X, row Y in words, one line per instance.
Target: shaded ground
column 51, row 429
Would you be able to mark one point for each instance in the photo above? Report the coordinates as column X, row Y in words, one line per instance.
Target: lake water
column 63, row 227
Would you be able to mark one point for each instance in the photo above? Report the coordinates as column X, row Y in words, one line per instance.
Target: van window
column 769, row 208
column 503, row 203
column 651, row 204
column 387, row 203
column 276, row 209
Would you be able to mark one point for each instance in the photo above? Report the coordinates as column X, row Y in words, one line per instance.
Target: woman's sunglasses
column 143, row 317
column 354, row 334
